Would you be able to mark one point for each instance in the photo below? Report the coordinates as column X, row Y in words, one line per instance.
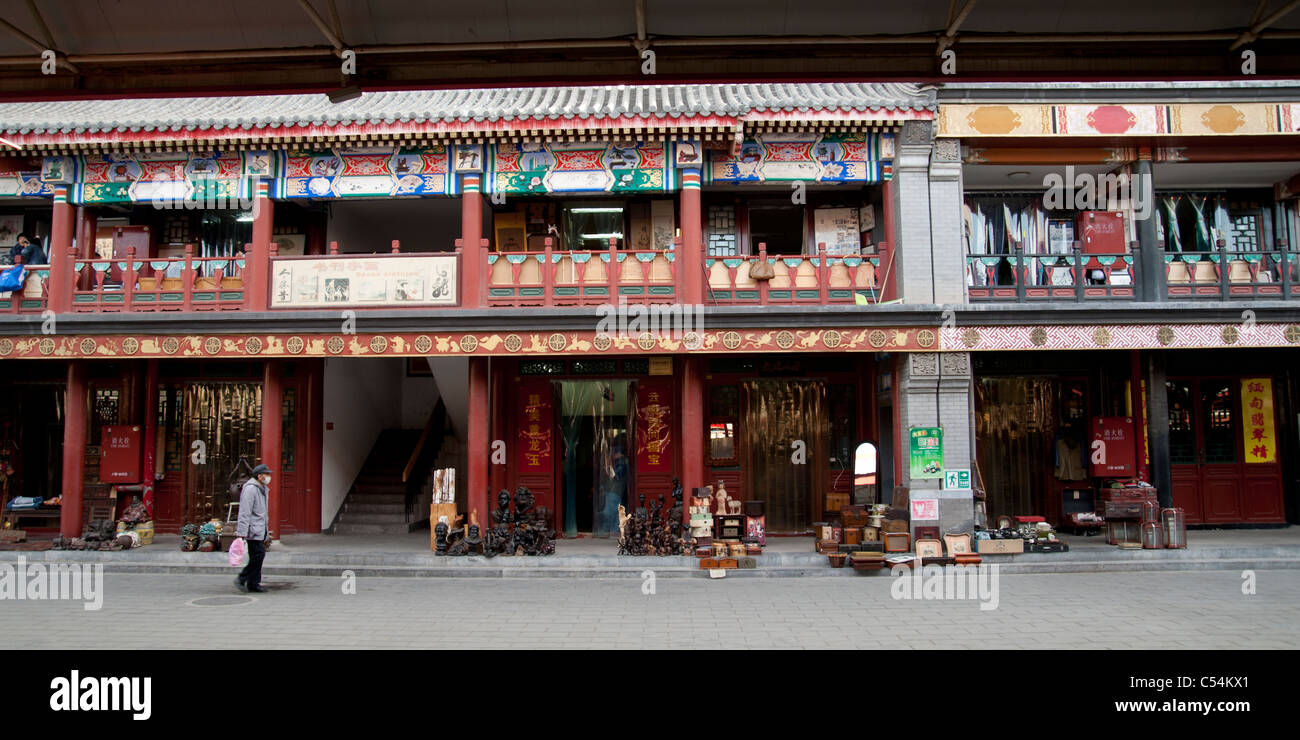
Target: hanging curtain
column 777, row 413
column 1223, row 224
column 591, row 401
column 227, row 417
column 1204, row 242
column 1174, row 242
column 1013, row 433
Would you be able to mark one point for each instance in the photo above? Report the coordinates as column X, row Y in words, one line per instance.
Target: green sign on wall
column 925, row 447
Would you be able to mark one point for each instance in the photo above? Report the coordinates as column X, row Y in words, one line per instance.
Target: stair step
column 389, row 499
column 345, row 528
column 351, row 517
column 365, row 507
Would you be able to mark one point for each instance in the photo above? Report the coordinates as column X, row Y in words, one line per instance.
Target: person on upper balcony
column 29, row 249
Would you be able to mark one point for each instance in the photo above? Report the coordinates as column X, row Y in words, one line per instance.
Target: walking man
column 253, row 527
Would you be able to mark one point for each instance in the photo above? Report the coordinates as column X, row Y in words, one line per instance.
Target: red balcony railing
column 578, row 278
column 821, row 279
column 183, row 284
column 35, row 295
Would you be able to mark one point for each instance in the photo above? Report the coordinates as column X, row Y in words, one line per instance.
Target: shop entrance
column 31, row 441
column 1212, row 480
column 785, row 427
column 596, row 472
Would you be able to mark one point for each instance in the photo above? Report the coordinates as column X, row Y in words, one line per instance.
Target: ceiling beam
column 954, row 22
column 1252, row 33
column 21, row 35
column 324, row 28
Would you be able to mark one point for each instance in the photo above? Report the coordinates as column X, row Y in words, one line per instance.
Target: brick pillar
column 272, row 408
column 690, row 255
column 692, row 432
column 61, row 261
column 257, row 267
column 479, row 446
column 473, row 258
column 76, row 407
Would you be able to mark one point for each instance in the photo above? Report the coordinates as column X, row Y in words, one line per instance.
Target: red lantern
column 1175, row 527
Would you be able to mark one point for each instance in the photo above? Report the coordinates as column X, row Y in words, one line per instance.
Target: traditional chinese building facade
column 593, row 290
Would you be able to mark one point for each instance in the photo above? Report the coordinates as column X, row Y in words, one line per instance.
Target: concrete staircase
column 377, row 502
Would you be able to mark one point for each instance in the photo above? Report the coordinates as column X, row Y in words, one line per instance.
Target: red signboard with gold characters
column 1259, row 439
column 536, row 427
column 654, row 421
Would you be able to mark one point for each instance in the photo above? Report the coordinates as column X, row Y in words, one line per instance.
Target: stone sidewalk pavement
column 1175, row 610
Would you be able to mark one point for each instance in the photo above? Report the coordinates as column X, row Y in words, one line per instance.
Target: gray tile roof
column 261, row 115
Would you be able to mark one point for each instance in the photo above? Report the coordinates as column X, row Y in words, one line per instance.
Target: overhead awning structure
column 712, row 112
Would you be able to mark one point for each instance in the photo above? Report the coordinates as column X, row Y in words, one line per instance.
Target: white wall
column 362, row 398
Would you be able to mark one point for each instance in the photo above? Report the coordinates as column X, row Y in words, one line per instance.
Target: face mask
column 266, row 480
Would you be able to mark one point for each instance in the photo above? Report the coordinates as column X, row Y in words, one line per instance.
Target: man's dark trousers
column 251, row 575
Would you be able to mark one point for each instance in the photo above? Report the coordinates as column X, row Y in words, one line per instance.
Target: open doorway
column 596, row 474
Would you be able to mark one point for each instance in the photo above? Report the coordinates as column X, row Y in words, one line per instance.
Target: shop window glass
column 1220, row 420
column 288, row 425
column 722, row 441
column 591, row 227
column 724, row 409
column 1182, row 435
column 842, row 405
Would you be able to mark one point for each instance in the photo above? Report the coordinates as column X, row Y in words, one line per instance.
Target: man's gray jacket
column 252, row 523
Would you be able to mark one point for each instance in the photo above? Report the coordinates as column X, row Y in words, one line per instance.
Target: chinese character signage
column 119, row 459
column 926, row 452
column 536, row 426
column 1112, row 453
column 653, row 427
column 1257, row 415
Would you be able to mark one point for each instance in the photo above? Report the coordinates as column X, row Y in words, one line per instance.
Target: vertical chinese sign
column 1258, row 439
column 536, row 426
column 653, row 427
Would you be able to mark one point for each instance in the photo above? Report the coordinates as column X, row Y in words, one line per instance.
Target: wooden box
column 826, row 546
column 852, row 535
column 729, row 526
column 704, row 551
column 1000, row 547
column 728, row 563
column 708, row 563
column 898, row 542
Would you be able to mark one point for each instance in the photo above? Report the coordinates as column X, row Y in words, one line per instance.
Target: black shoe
column 239, row 584
column 257, row 589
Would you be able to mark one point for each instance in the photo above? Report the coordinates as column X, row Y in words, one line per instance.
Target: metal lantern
column 1150, row 512
column 1175, row 527
column 1152, row 536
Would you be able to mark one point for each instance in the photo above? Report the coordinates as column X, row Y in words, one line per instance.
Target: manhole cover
column 222, row 601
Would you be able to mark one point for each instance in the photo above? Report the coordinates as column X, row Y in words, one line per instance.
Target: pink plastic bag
column 238, row 549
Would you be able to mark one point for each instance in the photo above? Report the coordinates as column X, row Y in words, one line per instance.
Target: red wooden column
column 473, row 259
column 150, row 430
column 690, row 255
column 315, row 442
column 497, row 425
column 62, row 263
column 479, row 452
column 692, row 434
column 257, row 266
column 889, row 255
column 272, row 411
column 87, row 224
column 76, row 406
column 1137, row 403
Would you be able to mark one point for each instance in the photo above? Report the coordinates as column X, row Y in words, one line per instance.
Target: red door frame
column 1256, row 487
